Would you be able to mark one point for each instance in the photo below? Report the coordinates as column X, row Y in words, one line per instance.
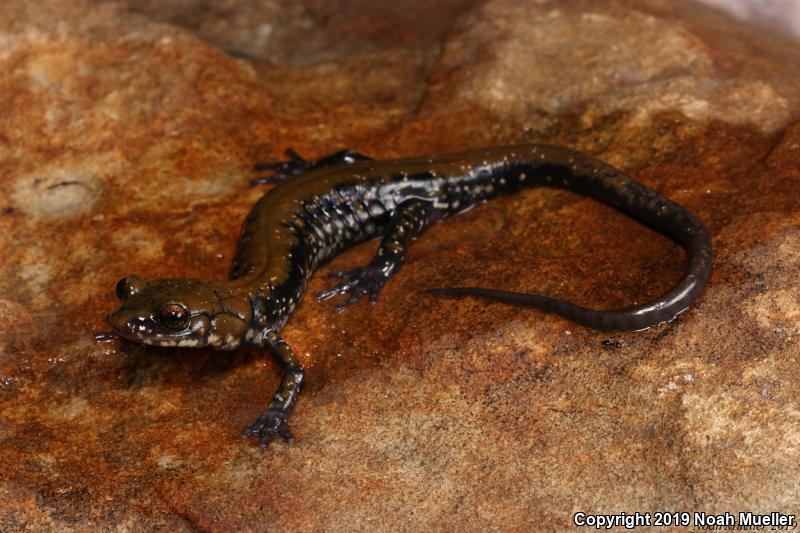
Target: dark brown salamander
column 337, row 201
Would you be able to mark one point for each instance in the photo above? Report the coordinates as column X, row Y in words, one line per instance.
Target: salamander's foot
column 359, row 282
column 272, row 422
column 282, row 169
column 296, row 165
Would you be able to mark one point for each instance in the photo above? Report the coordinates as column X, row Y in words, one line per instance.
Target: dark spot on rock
column 611, row 344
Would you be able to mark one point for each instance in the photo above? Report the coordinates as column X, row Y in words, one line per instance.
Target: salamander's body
column 324, row 206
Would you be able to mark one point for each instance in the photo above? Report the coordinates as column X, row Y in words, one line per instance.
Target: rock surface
column 126, row 143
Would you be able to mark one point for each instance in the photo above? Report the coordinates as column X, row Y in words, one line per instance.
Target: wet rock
column 126, row 143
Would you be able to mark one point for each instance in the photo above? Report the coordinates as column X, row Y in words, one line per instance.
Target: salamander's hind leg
column 408, row 221
column 275, row 420
column 296, row 165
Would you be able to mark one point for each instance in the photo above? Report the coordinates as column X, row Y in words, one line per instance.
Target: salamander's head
column 179, row 312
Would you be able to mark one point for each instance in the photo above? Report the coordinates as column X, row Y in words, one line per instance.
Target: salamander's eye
column 129, row 286
column 174, row 316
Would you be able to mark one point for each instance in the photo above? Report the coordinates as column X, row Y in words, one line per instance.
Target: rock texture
column 126, row 141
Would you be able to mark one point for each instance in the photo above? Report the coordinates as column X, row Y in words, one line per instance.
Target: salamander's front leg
column 275, row 420
column 409, row 219
column 296, row 165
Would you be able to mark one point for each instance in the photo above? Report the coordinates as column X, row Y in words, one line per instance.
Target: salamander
column 321, row 207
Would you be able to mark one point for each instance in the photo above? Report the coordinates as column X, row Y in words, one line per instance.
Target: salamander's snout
column 132, row 320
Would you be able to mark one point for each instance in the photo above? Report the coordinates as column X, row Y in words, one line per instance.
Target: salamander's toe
column 283, row 170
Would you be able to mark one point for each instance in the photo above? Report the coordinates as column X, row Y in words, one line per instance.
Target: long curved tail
column 553, row 166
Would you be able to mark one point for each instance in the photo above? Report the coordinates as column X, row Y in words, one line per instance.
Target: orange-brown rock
column 126, row 142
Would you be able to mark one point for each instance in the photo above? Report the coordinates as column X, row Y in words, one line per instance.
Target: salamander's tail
column 662, row 309
column 558, row 167
column 602, row 320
